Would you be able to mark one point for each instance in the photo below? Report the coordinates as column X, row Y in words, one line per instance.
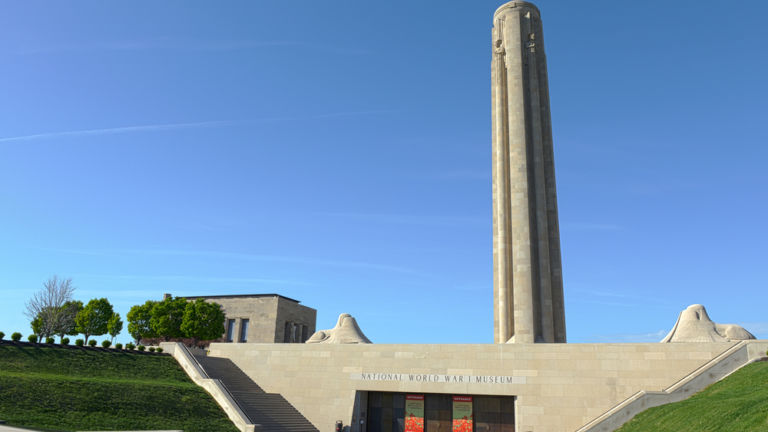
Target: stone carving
column 346, row 332
column 694, row 325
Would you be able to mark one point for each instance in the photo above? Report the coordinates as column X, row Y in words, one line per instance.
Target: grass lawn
column 738, row 403
column 81, row 389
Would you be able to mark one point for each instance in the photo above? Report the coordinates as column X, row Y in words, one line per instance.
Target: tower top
column 516, row 4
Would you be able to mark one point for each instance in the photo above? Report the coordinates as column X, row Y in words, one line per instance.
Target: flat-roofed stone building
column 264, row 318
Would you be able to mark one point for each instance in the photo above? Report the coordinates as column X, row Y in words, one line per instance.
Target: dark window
column 438, row 412
column 287, row 332
column 244, row 330
column 230, row 330
column 386, row 412
column 304, row 333
column 494, row 414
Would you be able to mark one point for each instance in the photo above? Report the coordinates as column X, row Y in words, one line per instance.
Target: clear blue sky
column 339, row 153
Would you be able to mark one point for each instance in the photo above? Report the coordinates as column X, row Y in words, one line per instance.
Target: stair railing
column 224, row 386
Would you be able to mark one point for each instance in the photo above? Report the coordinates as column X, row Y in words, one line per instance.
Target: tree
column 114, row 325
column 37, row 326
column 45, row 306
column 203, row 320
column 139, row 321
column 93, row 319
column 67, row 325
column 44, row 324
column 167, row 316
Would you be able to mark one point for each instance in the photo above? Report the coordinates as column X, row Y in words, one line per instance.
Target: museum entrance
column 425, row 412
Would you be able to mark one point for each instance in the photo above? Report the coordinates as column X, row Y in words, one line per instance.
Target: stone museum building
column 529, row 380
column 264, row 318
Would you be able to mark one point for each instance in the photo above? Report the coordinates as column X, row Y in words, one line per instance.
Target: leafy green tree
column 114, row 325
column 167, row 316
column 66, row 324
column 93, row 319
column 38, row 325
column 203, row 320
column 139, row 317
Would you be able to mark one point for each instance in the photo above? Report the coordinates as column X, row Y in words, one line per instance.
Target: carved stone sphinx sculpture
column 345, row 332
column 694, row 325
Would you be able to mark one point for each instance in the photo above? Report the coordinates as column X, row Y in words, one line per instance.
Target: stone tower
column 528, row 281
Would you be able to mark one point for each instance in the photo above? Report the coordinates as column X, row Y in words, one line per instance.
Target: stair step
column 270, row 410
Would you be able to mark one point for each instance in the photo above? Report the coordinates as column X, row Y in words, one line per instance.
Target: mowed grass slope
column 738, row 403
column 80, row 389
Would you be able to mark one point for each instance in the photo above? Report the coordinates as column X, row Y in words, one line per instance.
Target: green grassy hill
column 65, row 389
column 738, row 403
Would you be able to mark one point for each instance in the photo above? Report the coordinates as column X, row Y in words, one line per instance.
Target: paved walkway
column 4, row 428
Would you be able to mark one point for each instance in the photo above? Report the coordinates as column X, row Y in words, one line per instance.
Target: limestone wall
column 559, row 387
column 266, row 315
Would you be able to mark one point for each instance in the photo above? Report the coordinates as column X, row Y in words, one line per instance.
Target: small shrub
column 16, row 336
column 118, row 346
column 151, row 349
column 65, row 341
column 2, row 335
column 130, row 346
column 159, row 350
column 105, row 343
column 79, row 342
column 49, row 340
column 142, row 347
column 32, row 338
column 92, row 343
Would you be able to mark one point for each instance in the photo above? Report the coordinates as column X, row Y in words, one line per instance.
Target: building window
column 304, row 333
column 243, row 330
column 230, row 330
column 287, row 332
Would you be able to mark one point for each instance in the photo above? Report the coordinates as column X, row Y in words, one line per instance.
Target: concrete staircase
column 269, row 410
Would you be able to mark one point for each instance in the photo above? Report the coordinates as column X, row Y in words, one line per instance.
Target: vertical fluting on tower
column 528, row 286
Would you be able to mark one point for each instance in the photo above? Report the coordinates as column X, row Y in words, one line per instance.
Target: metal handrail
column 224, row 386
column 199, row 366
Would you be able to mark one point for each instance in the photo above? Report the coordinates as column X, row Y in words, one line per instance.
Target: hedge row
column 80, row 345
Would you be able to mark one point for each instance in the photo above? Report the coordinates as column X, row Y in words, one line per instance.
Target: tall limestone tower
column 527, row 270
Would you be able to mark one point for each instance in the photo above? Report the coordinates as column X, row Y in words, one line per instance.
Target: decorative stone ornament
column 693, row 325
column 346, row 332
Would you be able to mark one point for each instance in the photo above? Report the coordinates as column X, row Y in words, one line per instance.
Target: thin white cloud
column 84, row 294
column 181, row 45
column 589, row 226
column 352, row 113
column 632, row 337
column 175, row 126
column 113, row 131
column 194, row 279
column 462, row 174
column 240, row 256
column 407, row 219
column 759, row 329
column 619, row 296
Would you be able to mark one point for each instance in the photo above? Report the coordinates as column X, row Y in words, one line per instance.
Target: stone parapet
column 558, row 387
